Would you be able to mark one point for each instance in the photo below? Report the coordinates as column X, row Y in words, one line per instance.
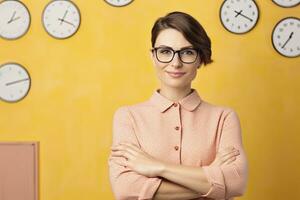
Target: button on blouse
column 188, row 132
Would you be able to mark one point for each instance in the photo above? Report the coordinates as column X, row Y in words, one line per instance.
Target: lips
column 176, row 74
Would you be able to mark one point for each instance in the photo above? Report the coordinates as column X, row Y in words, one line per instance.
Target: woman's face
column 175, row 40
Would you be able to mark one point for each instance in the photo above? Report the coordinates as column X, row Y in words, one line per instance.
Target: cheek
column 191, row 73
column 160, row 70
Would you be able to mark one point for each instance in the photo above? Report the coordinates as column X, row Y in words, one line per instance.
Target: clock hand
column 62, row 20
column 15, row 19
column 238, row 13
column 290, row 37
column 64, row 17
column 11, row 19
column 247, row 17
column 14, row 82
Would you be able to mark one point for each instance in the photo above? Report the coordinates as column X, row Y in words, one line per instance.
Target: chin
column 175, row 83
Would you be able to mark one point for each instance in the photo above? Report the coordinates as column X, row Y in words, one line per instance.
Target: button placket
column 177, row 126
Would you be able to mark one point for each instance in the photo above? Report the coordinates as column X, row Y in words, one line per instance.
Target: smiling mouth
column 175, row 74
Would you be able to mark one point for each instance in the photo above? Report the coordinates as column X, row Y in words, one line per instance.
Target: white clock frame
column 226, row 14
column 56, row 19
column 16, row 77
column 118, row 3
column 287, row 4
column 16, row 26
column 293, row 34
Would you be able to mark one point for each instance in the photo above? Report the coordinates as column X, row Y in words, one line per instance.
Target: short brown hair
column 191, row 29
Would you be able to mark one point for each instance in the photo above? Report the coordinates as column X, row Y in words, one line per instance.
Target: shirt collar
column 189, row 102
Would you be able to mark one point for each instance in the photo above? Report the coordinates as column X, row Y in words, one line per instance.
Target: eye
column 189, row 52
column 164, row 51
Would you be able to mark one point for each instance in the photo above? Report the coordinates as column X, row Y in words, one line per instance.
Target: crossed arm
column 178, row 181
column 172, row 191
column 170, row 182
column 185, row 183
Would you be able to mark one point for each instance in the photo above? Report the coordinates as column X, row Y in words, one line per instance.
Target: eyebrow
column 179, row 49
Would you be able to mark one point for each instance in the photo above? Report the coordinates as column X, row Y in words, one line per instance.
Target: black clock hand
column 64, row 17
column 62, row 20
column 247, row 17
column 11, row 19
column 14, row 82
column 290, row 37
column 240, row 13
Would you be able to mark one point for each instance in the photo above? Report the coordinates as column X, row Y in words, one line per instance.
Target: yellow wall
column 79, row 82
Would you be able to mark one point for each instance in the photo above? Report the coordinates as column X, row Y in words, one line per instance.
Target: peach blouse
column 188, row 132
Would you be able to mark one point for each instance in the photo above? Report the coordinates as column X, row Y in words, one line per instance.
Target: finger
column 120, row 162
column 230, row 160
column 229, row 156
column 122, row 147
column 227, row 150
column 129, row 148
column 122, row 153
column 230, row 152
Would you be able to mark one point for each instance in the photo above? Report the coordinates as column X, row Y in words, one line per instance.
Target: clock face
column 286, row 37
column 287, row 3
column 14, row 82
column 61, row 19
column 14, row 19
column 118, row 3
column 239, row 16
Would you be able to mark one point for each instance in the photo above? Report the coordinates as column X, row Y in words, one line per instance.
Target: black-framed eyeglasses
column 166, row 54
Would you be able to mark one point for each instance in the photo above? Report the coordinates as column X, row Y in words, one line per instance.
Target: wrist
column 163, row 166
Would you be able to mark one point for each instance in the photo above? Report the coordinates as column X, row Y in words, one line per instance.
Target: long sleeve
column 230, row 180
column 128, row 185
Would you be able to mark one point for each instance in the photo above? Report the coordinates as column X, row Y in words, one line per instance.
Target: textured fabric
column 188, row 132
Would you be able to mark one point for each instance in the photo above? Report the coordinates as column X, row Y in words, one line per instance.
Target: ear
column 152, row 57
column 150, row 53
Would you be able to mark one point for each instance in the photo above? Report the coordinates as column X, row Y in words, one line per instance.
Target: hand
column 226, row 156
column 136, row 160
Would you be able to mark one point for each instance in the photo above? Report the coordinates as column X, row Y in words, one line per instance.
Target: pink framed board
column 19, row 170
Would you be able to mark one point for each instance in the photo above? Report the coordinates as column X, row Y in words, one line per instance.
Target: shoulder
column 143, row 106
column 129, row 109
column 225, row 116
column 221, row 111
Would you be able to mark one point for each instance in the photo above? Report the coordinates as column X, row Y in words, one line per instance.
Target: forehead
column 172, row 38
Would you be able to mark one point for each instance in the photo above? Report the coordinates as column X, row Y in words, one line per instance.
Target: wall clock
column 118, row 3
column 239, row 16
column 14, row 19
column 61, row 19
column 14, row 82
column 287, row 3
column 286, row 37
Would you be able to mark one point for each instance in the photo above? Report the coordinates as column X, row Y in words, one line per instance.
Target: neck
column 175, row 94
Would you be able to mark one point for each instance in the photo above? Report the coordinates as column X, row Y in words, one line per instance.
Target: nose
column 176, row 62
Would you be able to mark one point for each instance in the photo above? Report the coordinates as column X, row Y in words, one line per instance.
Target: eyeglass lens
column 164, row 54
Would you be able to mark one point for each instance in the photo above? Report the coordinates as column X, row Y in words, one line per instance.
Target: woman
column 176, row 145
